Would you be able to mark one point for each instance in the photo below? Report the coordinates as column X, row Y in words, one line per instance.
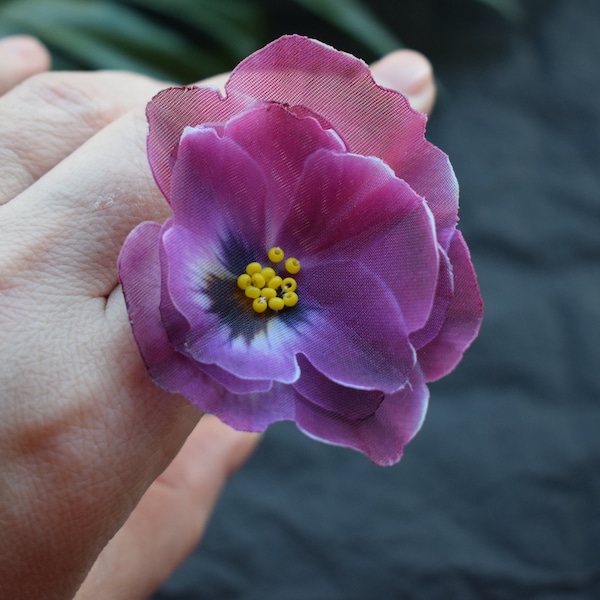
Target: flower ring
column 312, row 269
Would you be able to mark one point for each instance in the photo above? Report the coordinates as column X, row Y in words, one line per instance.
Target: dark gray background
column 498, row 497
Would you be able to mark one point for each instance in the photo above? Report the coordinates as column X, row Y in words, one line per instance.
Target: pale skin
column 106, row 482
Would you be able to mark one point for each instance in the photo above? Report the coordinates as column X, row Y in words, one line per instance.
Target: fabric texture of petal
column 303, row 159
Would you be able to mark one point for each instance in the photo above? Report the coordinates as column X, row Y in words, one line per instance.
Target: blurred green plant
column 186, row 40
column 512, row 9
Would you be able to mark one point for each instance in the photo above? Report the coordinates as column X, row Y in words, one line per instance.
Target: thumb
column 408, row 72
column 171, row 517
column 20, row 57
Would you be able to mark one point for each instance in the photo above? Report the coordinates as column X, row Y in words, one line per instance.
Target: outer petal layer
column 463, row 316
column 376, row 424
column 337, row 86
column 363, row 113
column 139, row 271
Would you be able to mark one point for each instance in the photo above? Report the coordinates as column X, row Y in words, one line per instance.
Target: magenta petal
column 380, row 434
column 463, row 317
column 339, row 87
column 217, row 188
column 443, row 295
column 285, row 142
column 174, row 109
column 358, row 340
column 139, row 272
column 350, row 207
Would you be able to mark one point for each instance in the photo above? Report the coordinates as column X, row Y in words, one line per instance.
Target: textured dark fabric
column 498, row 497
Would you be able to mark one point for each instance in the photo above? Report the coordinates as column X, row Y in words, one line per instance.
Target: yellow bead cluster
column 265, row 288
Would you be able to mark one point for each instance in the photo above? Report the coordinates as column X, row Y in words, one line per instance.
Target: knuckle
column 65, row 90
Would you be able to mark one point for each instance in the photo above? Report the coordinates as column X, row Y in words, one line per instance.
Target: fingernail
column 406, row 71
column 417, row 77
column 19, row 46
column 410, row 73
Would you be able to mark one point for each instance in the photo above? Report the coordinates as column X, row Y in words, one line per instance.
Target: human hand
column 21, row 56
column 83, row 431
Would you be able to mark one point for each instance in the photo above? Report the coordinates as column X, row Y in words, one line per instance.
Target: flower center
column 266, row 288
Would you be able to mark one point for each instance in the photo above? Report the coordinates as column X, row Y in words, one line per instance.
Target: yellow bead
column 252, row 291
column 290, row 298
column 276, row 303
column 260, row 305
column 258, row 280
column 275, row 282
column 289, row 284
column 253, row 267
column 292, row 265
column 268, row 273
column 275, row 255
column 268, row 292
column 243, row 281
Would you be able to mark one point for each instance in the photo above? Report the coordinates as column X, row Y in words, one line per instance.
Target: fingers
column 20, row 57
column 47, row 117
column 408, row 72
column 84, row 208
column 171, row 517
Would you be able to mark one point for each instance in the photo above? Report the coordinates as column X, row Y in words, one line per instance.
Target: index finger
column 50, row 115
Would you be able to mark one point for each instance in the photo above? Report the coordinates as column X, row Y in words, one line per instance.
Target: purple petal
column 209, row 340
column 375, row 424
column 139, row 272
column 185, row 263
column 269, row 355
column 443, row 295
column 369, row 327
column 357, row 339
column 234, row 384
column 217, row 188
column 350, row 403
column 177, row 328
column 372, row 120
column 463, row 317
column 254, row 412
column 351, row 207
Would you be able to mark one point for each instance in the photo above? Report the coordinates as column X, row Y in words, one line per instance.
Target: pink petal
column 280, row 142
column 443, row 295
column 373, row 121
column 174, row 109
column 254, row 412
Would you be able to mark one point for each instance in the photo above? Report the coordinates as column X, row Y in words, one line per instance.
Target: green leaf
column 511, row 9
column 356, row 20
column 111, row 35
